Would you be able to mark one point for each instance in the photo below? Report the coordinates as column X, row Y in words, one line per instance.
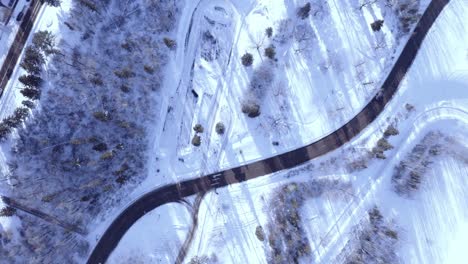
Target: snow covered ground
column 170, row 222
column 327, row 67
column 430, row 224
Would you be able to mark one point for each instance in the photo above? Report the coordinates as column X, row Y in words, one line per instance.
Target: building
column 6, row 8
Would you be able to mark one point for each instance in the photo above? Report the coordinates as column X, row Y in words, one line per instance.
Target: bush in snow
column 391, row 131
column 28, row 104
column 383, row 144
column 220, row 128
column 247, row 59
column 377, row 25
column 7, row 211
column 304, row 11
column 269, row 32
column 170, row 43
column 251, row 108
column 198, row 128
column 54, row 3
column 284, row 32
column 409, row 107
column 196, row 140
column 270, row 52
column 259, row 233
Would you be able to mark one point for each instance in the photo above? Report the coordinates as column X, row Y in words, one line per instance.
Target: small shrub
column 124, row 73
column 148, row 69
column 170, row 43
column 377, row 25
column 198, row 128
column 102, row 116
column 220, row 128
column 196, row 140
column 96, row 80
column 391, row 131
column 251, row 109
column 7, row 211
column 107, row 155
column 247, row 59
column 270, row 52
column 100, row 147
column 260, row 233
column 124, row 88
column 269, row 32
column 304, row 11
column 28, row 104
column 409, row 107
column 383, row 144
column 54, row 3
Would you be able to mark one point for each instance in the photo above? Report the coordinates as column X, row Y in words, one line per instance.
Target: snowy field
column 326, row 68
column 429, row 221
column 186, row 69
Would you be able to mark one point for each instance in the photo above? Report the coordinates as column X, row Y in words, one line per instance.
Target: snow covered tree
column 304, row 11
column 30, row 81
column 54, row 3
column 270, row 52
column 269, row 32
column 33, row 60
column 29, row 104
column 247, row 59
column 31, row 93
column 220, row 128
column 45, row 41
column 196, row 140
column 250, row 108
column 377, row 25
column 198, row 128
column 391, row 131
column 170, row 43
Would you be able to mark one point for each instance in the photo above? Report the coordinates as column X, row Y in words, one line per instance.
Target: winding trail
column 175, row 192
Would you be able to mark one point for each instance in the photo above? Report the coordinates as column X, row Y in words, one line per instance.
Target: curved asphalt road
column 175, row 192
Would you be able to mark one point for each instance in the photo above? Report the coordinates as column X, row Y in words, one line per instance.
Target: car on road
column 20, row 15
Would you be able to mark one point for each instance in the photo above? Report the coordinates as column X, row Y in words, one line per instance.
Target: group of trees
column 287, row 238
column 87, row 145
column 263, row 77
column 43, row 45
column 407, row 175
column 375, row 240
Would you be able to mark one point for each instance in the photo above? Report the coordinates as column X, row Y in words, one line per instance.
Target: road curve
column 175, row 192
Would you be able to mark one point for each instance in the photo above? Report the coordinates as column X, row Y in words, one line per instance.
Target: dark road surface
column 18, row 43
column 175, row 192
